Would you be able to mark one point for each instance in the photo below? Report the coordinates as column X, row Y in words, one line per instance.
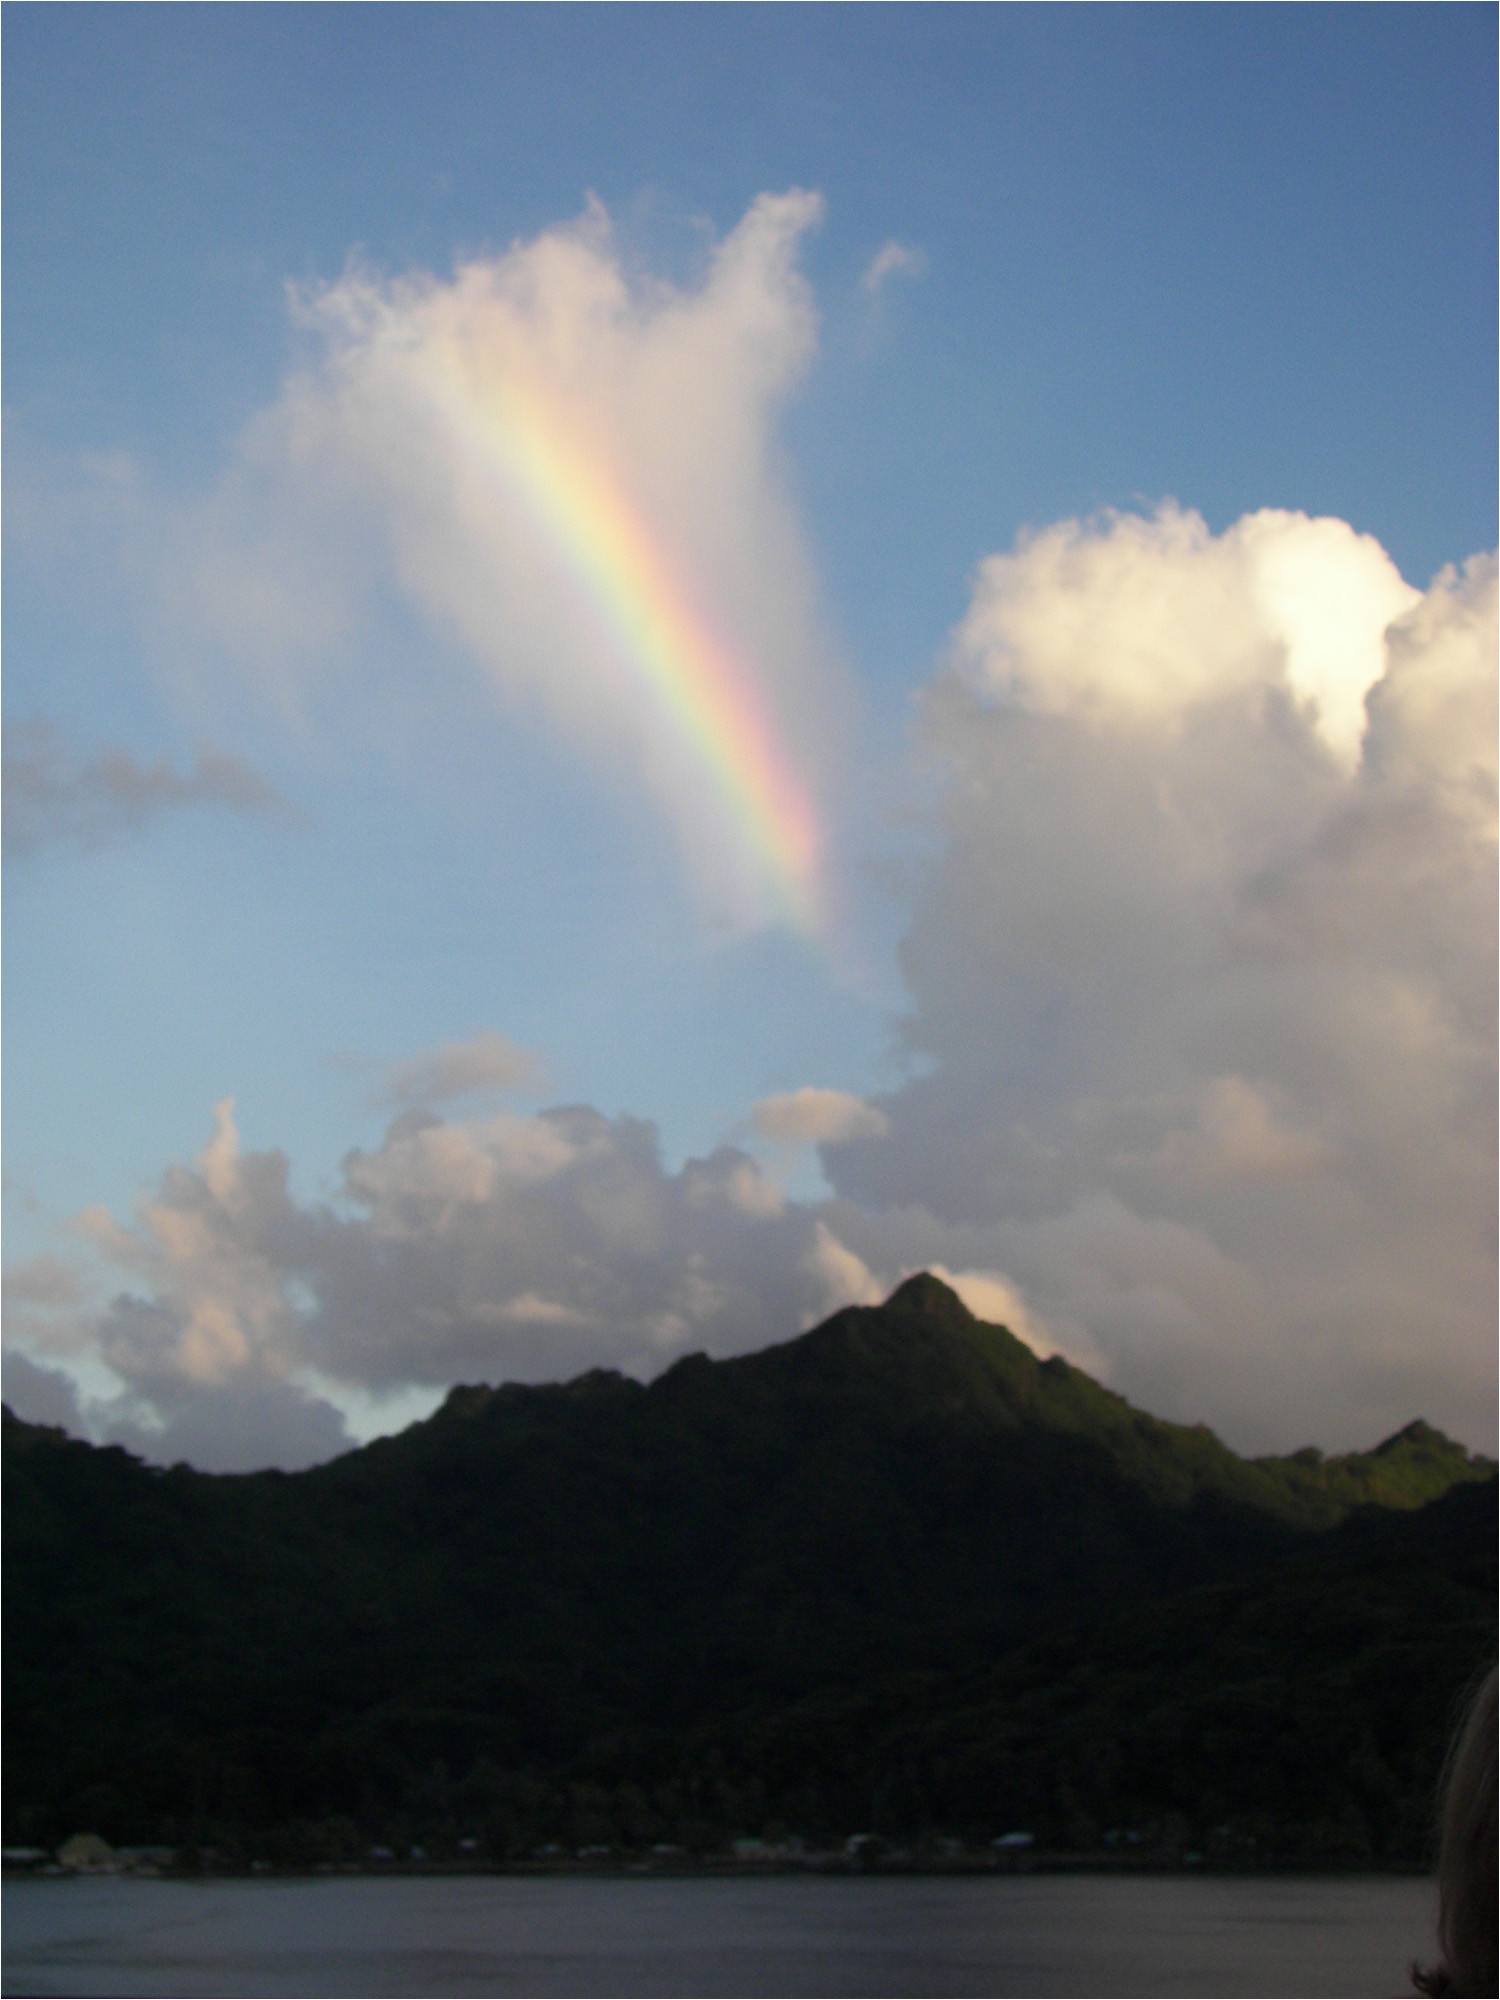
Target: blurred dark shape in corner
column 1467, row 1858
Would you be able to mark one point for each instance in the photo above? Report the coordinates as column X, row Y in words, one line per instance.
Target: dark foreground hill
column 897, row 1571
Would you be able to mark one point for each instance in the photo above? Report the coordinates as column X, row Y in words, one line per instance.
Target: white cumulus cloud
column 1142, row 622
column 811, row 1116
column 1204, row 974
column 503, row 1248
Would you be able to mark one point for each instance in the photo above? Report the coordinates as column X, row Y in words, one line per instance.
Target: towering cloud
column 1205, row 973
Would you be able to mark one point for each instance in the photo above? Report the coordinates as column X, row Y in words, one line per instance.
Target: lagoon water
column 1039, row 1934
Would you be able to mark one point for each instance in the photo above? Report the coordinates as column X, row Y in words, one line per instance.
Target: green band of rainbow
column 602, row 541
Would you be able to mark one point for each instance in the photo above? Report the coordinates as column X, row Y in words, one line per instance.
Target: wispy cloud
column 893, row 260
column 485, row 1061
column 53, row 799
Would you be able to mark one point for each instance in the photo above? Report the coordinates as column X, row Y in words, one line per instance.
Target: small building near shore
column 87, row 1854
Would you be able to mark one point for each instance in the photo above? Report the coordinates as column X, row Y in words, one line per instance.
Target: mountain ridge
column 1417, row 1461
column 902, row 1491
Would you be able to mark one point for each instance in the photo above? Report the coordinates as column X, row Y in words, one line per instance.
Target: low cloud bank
column 1203, row 981
column 523, row 1248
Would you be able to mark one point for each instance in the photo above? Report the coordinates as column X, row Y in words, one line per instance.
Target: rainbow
column 600, row 538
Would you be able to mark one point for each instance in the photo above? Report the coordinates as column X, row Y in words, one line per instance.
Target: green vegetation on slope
column 624, row 1589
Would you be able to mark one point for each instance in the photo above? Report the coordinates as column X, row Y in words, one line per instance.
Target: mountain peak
column 1418, row 1431
column 1419, row 1436
column 925, row 1294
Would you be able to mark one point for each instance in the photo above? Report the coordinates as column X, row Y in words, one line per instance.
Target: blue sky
column 1067, row 260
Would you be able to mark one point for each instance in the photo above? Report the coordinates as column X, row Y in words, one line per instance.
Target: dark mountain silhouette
column 826, row 1580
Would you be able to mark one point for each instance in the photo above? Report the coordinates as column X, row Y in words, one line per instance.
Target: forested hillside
column 896, row 1574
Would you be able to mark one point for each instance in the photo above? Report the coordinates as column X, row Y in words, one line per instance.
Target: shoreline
column 685, row 1868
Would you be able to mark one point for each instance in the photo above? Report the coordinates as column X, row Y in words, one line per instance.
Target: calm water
column 1078, row 1935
